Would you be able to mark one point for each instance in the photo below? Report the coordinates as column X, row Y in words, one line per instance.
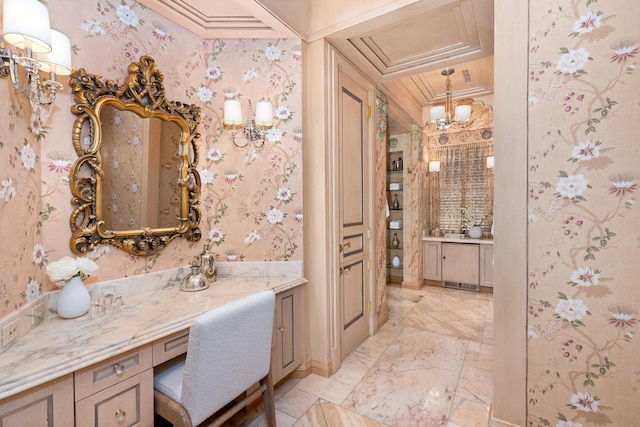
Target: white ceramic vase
column 475, row 232
column 73, row 299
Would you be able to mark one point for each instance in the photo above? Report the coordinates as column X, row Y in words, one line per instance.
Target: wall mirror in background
column 135, row 184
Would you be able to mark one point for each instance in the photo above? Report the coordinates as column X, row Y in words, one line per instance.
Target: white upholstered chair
column 229, row 351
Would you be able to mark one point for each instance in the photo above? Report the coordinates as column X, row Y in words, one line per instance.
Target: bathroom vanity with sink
column 90, row 372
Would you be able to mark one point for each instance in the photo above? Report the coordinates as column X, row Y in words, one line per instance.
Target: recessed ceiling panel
column 419, row 36
column 421, row 39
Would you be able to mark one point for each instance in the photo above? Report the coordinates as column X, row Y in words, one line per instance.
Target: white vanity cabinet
column 48, row 405
column 286, row 352
column 486, row 265
column 117, row 391
column 432, row 260
column 458, row 263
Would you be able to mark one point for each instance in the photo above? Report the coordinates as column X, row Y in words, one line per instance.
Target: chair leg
column 171, row 410
column 269, row 401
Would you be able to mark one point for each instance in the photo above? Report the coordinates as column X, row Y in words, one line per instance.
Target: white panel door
column 353, row 188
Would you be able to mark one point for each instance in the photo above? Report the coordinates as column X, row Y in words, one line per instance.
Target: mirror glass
column 135, row 183
column 141, row 162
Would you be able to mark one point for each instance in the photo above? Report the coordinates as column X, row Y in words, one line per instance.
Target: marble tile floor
column 430, row 365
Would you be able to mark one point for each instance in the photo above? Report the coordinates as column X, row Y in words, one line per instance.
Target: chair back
column 229, row 350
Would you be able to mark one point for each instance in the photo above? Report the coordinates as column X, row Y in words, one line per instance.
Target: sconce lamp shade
column 264, row 113
column 463, row 112
column 25, row 24
column 434, row 166
column 232, row 112
column 437, row 113
column 490, row 162
column 59, row 59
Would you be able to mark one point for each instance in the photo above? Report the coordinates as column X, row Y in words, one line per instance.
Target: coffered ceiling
column 402, row 45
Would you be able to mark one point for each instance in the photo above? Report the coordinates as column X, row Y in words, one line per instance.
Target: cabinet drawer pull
column 280, row 328
column 118, row 368
column 120, row 415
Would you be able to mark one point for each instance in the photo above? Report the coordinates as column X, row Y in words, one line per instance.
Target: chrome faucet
column 208, row 264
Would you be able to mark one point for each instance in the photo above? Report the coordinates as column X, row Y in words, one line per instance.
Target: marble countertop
column 59, row 346
column 458, row 240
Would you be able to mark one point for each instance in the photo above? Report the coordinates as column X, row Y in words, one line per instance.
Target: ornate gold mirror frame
column 143, row 94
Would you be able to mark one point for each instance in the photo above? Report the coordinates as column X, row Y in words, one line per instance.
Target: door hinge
column 368, row 112
column 368, row 264
column 369, row 307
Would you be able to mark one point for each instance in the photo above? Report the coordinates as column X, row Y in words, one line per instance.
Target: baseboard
column 412, row 285
column 382, row 318
column 429, row 282
column 324, row 369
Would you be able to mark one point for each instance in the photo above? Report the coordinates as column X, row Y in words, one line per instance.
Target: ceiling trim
column 257, row 22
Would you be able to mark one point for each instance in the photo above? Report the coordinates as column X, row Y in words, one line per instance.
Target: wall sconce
column 434, row 167
column 253, row 130
column 25, row 28
column 441, row 116
column 490, row 162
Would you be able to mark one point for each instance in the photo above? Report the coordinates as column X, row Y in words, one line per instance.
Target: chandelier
column 30, row 46
column 441, row 116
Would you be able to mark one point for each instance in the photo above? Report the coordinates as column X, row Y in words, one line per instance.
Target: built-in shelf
column 395, row 192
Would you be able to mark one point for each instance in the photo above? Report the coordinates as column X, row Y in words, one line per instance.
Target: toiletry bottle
column 395, row 242
column 395, row 204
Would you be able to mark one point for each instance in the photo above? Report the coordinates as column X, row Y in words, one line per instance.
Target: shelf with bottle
column 396, row 165
column 395, row 242
column 395, row 203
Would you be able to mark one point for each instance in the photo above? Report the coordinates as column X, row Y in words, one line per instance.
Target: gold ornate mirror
column 135, row 183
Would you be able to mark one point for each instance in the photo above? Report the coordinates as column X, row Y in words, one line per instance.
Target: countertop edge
column 458, row 240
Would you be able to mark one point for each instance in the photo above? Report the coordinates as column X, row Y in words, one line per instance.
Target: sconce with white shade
column 443, row 117
column 434, row 167
column 254, row 130
column 490, row 161
column 29, row 43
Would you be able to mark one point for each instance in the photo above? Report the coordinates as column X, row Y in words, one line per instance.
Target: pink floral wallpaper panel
column 584, row 225
column 251, row 201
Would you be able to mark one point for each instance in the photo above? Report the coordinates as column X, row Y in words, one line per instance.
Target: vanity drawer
column 128, row 403
column 169, row 347
column 95, row 378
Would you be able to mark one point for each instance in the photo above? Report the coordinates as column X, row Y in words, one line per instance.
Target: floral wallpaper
column 251, row 201
column 584, row 228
